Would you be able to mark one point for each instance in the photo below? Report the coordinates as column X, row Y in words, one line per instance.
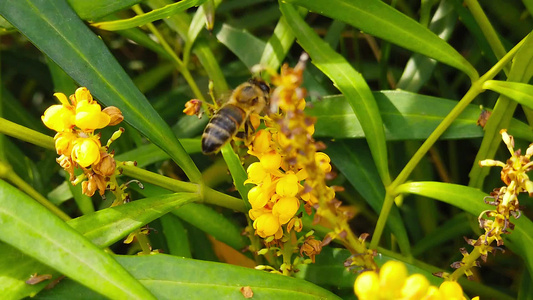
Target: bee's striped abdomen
column 221, row 128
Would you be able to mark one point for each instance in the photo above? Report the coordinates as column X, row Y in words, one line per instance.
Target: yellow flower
column 192, row 107
column 257, row 197
column 415, row 287
column 86, row 151
column 261, row 142
column 58, row 117
column 323, row 161
column 285, row 208
column 256, row 173
column 392, row 277
column 366, row 286
column 451, row 290
column 271, row 161
column 287, row 185
column 65, row 142
column 266, row 225
column 89, row 116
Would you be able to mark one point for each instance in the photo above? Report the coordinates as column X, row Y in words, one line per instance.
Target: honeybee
column 251, row 96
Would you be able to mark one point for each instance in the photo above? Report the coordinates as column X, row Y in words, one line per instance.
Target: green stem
column 487, row 29
column 467, row 263
column 8, row 174
column 182, row 68
column 208, row 194
column 143, row 241
column 25, row 134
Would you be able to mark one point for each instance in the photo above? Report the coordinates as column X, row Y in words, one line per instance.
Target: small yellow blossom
column 192, row 107
column 285, row 208
column 256, row 173
column 59, row 118
column 366, row 286
column 86, row 151
column 64, row 141
column 89, row 116
column 288, row 185
column 266, row 225
column 271, row 161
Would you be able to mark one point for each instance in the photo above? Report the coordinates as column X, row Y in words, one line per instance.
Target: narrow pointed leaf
column 31, row 228
column 57, row 31
column 95, row 9
column 244, row 45
column 204, row 280
column 350, row 82
column 109, row 225
column 380, row 19
column 519, row 92
column 405, row 115
column 154, row 15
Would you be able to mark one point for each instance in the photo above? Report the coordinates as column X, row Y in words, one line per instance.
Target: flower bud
column 106, row 165
column 115, row 114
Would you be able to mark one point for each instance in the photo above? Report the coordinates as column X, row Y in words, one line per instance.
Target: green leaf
column 109, row 225
column 154, row 15
column 244, row 45
column 406, row 116
column 379, row 19
column 471, row 200
column 202, row 280
column 519, row 92
column 419, row 68
column 103, row 227
column 46, row 238
column 175, row 235
column 363, row 176
column 95, row 9
column 350, row 82
column 238, row 173
column 277, row 45
column 82, row 55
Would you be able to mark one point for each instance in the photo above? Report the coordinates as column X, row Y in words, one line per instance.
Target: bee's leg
column 248, row 132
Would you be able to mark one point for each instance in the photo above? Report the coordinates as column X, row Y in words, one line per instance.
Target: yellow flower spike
column 64, row 141
column 86, row 151
column 451, row 290
column 323, row 161
column 392, row 277
column 58, row 117
column 89, row 116
column 285, row 208
column 366, row 286
column 256, row 173
column 257, row 198
column 83, row 94
column 261, row 142
column 287, row 186
column 415, row 287
column 271, row 161
column 266, row 225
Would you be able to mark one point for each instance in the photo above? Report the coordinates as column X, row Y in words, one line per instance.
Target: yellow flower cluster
column 276, row 197
column 75, row 141
column 290, row 170
column 393, row 282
